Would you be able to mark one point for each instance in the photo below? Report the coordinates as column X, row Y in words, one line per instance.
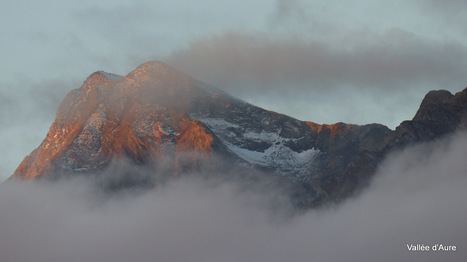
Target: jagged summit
column 99, row 78
column 155, row 70
column 158, row 118
column 433, row 98
column 442, row 107
column 140, row 115
column 149, row 75
column 110, row 76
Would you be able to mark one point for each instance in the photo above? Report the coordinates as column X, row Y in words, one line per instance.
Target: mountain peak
column 154, row 65
column 109, row 76
column 159, row 117
column 100, row 78
column 437, row 97
column 435, row 106
column 110, row 116
column 154, row 69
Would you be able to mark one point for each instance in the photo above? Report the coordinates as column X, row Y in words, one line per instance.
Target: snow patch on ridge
column 263, row 137
column 277, row 155
column 220, row 127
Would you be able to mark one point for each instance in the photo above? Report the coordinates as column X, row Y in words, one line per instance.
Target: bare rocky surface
column 157, row 122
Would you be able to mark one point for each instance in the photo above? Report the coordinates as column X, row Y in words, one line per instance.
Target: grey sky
column 323, row 61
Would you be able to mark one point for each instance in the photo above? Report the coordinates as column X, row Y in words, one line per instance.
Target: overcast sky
column 323, row 61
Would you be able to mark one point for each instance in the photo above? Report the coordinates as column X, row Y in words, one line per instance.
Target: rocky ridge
column 165, row 122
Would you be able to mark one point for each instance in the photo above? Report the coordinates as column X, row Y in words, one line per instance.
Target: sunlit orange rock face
column 141, row 115
column 332, row 131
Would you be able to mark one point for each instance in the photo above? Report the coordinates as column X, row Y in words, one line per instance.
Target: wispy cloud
column 368, row 78
column 396, row 60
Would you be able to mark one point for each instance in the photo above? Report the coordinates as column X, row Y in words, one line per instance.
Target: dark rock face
column 157, row 120
column 439, row 114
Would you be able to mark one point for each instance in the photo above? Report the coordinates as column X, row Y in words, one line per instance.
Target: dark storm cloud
column 417, row 197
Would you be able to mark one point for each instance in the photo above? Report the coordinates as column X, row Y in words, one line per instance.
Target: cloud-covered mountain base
column 417, row 197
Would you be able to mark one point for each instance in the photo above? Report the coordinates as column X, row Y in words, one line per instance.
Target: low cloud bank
column 417, row 197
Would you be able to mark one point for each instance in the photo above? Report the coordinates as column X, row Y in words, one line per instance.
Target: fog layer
column 417, row 197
